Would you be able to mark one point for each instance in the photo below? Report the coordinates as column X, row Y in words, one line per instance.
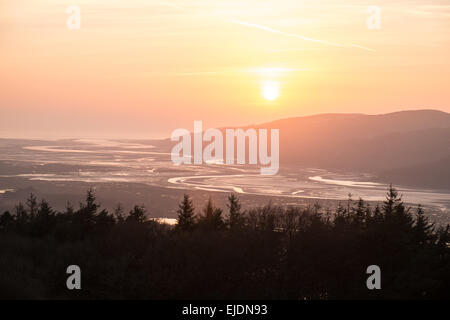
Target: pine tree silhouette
column 137, row 214
column 212, row 216
column 235, row 216
column 32, row 205
column 423, row 229
column 186, row 214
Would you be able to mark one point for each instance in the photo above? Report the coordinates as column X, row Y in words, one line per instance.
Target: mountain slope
column 399, row 147
column 397, row 143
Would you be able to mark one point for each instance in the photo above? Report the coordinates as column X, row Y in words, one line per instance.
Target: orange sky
column 141, row 68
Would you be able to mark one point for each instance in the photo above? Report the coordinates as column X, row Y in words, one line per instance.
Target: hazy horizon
column 143, row 68
column 166, row 135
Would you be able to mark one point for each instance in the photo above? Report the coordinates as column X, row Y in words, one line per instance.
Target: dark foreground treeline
column 264, row 253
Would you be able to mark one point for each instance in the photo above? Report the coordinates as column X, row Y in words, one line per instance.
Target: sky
column 141, row 69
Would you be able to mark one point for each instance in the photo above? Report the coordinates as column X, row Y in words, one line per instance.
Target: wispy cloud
column 201, row 73
column 273, row 71
column 293, row 35
column 297, row 36
column 171, row 5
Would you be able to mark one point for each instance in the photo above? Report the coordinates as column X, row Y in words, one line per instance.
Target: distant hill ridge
column 411, row 147
column 399, row 147
column 401, row 121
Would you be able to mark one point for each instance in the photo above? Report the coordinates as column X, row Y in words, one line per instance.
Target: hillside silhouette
column 371, row 143
column 390, row 146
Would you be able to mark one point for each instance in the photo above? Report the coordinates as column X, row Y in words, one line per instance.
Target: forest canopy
column 267, row 252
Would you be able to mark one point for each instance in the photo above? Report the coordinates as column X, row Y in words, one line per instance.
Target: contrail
column 293, row 35
column 268, row 29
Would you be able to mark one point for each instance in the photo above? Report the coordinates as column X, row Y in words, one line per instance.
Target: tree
column 104, row 220
column 22, row 217
column 235, row 216
column 44, row 220
column 393, row 201
column 32, row 205
column 423, row 229
column 6, row 220
column 186, row 214
column 349, row 201
column 360, row 212
column 91, row 205
column 443, row 235
column 85, row 216
column 118, row 213
column 137, row 214
column 377, row 214
column 69, row 210
column 44, row 211
column 395, row 212
column 341, row 215
column 212, row 216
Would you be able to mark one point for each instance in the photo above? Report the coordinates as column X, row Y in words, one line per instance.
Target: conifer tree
column 32, row 205
column 88, row 210
column 69, row 209
column 104, row 220
column 377, row 214
column 422, row 229
column 6, row 219
column 118, row 213
column 186, row 214
column 44, row 220
column 393, row 201
column 360, row 212
column 137, row 214
column 22, row 216
column 235, row 216
column 212, row 216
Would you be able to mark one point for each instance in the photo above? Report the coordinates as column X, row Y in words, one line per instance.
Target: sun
column 270, row 90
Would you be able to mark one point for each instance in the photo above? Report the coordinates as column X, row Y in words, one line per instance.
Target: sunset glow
column 180, row 152
column 270, row 90
column 146, row 67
